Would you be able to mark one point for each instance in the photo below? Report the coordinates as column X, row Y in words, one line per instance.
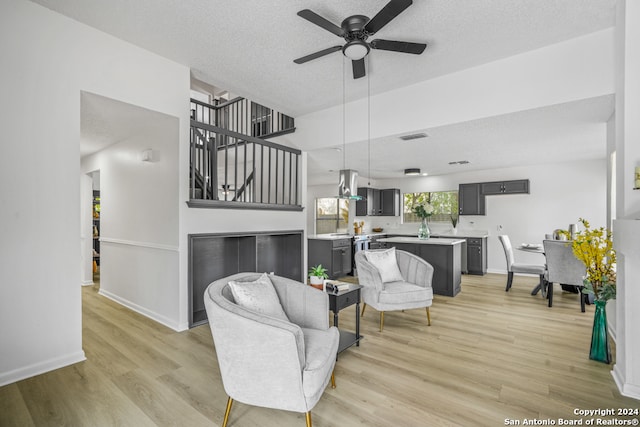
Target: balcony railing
column 232, row 166
column 243, row 116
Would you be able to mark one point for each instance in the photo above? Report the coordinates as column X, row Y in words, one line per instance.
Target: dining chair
column 514, row 267
column 564, row 268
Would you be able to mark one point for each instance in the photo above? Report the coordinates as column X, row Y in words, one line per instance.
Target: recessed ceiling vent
column 460, row 162
column 413, row 136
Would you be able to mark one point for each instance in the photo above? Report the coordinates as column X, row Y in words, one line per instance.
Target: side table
column 340, row 300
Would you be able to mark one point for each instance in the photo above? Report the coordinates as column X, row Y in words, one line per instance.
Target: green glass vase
column 423, row 231
column 600, row 350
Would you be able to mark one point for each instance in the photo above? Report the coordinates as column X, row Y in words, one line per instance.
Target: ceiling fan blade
column 390, row 11
column 314, row 18
column 358, row 68
column 396, row 46
column 317, row 54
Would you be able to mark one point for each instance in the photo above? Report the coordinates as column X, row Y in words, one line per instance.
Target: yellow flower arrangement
column 594, row 247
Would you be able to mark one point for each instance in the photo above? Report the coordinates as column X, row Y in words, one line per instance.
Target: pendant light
column 348, row 178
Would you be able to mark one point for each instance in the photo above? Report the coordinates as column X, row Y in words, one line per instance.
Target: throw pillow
column 386, row 263
column 259, row 296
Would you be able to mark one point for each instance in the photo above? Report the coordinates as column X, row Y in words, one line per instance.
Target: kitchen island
column 443, row 254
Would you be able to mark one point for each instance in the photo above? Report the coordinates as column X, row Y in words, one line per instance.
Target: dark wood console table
column 340, row 300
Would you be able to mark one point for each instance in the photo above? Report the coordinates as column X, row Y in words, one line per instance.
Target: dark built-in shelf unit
column 214, row 256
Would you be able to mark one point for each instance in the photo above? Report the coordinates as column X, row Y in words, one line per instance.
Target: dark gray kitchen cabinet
column 446, row 263
column 376, row 202
column 375, row 244
column 334, row 255
column 370, row 203
column 477, row 255
column 519, row 186
column 470, row 199
column 390, row 201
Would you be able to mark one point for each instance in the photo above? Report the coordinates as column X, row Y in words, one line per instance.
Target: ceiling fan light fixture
column 412, row 171
column 355, row 50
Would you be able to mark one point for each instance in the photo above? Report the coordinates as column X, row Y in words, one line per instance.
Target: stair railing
column 237, row 169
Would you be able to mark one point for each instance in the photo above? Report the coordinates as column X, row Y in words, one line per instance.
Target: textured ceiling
column 248, row 46
column 555, row 134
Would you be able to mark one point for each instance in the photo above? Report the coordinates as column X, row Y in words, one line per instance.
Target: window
column 445, row 205
column 331, row 215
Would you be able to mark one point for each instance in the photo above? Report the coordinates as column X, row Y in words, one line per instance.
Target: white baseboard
column 40, row 368
column 612, row 331
column 170, row 323
column 87, row 283
column 625, row 389
column 183, row 326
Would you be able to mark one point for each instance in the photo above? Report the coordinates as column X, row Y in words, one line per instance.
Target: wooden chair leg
column 550, row 293
column 428, row 317
column 333, row 379
column 364, row 305
column 308, row 419
column 381, row 320
column 226, row 413
column 509, row 281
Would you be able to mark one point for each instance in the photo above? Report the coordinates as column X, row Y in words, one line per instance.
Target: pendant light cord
column 369, row 118
column 344, row 115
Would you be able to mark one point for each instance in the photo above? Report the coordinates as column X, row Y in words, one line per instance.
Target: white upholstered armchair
column 406, row 287
column 266, row 358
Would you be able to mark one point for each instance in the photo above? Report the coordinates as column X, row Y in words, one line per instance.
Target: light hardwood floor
column 488, row 356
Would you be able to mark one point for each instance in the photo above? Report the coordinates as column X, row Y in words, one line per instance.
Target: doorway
column 90, row 228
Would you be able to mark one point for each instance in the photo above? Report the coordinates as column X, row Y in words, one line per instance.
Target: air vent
column 460, row 162
column 413, row 136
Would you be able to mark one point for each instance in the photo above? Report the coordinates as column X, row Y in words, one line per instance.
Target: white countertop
column 462, row 234
column 415, row 240
column 338, row 236
column 332, row 236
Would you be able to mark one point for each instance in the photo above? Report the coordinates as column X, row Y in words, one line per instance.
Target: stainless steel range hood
column 348, row 185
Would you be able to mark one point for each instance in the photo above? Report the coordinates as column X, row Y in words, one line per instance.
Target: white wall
column 49, row 60
column 576, row 69
column 626, row 228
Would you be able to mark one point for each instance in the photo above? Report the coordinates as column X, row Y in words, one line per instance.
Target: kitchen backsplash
column 392, row 224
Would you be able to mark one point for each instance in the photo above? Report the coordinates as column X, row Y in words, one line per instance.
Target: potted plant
column 594, row 247
column 317, row 275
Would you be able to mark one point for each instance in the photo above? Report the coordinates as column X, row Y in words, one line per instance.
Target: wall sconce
column 146, row 155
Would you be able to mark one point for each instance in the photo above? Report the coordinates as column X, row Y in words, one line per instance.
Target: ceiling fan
column 356, row 29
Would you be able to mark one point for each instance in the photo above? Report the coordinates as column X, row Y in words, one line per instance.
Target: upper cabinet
column 470, row 200
column 520, row 186
column 390, row 202
column 471, row 197
column 376, row 202
column 370, row 203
